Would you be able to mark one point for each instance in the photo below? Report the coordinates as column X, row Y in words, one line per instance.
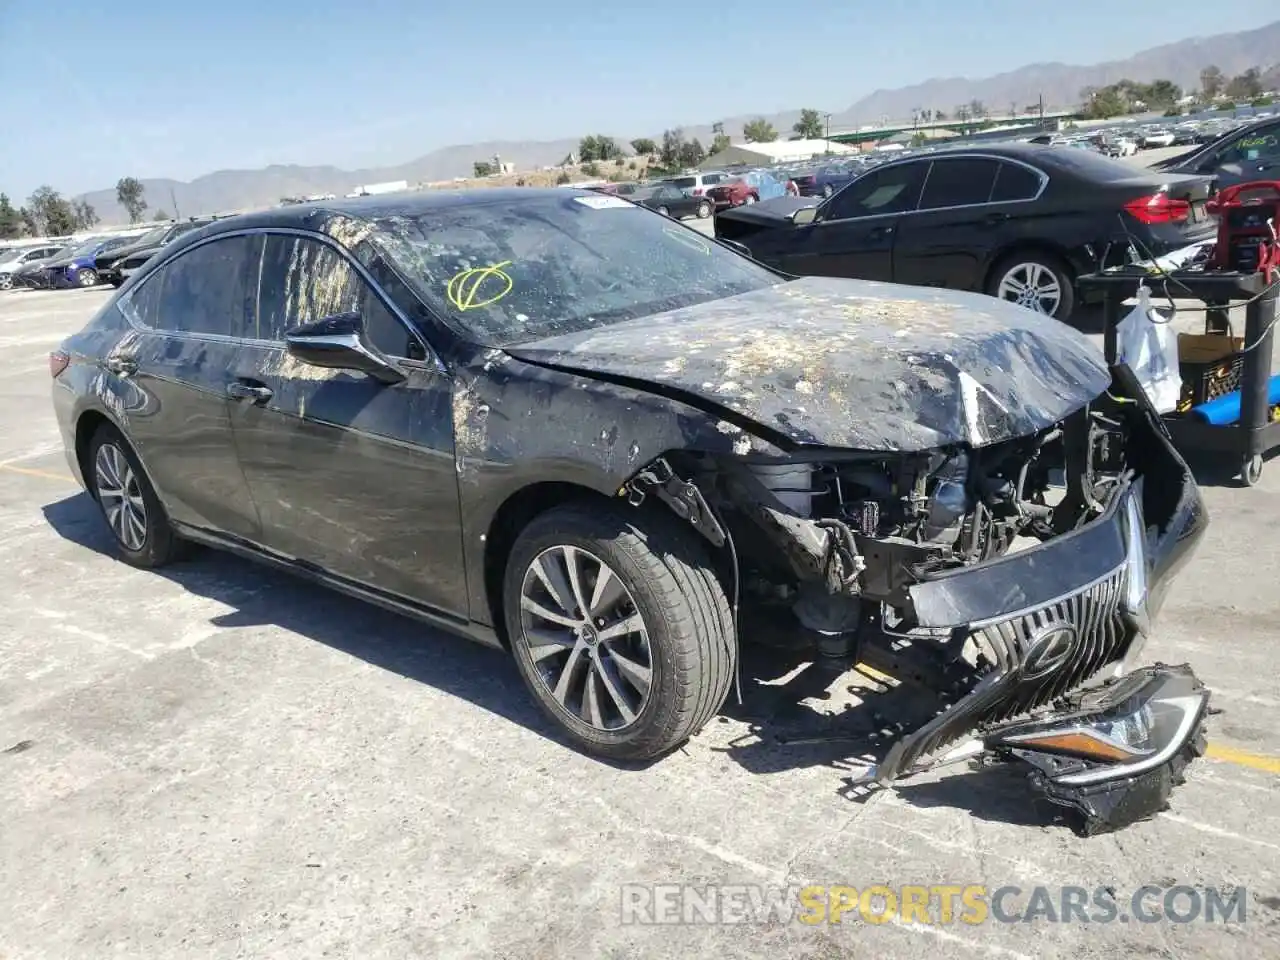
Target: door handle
column 879, row 232
column 257, row 392
column 120, row 365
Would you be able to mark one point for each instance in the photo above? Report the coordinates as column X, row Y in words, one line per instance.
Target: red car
column 733, row 193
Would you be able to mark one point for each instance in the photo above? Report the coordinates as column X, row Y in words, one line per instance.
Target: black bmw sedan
column 1016, row 221
column 558, row 422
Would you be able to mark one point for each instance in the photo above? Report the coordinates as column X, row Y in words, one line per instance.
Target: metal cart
column 1254, row 433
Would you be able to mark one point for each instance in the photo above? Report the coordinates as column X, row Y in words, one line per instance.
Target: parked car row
column 87, row 262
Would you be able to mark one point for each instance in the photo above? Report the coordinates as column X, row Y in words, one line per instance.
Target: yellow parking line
column 1243, row 759
column 32, row 472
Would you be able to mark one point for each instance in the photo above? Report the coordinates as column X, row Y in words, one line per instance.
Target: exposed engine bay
column 1010, row 576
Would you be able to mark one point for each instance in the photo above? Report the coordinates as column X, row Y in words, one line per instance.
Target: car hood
column 772, row 212
column 115, row 253
column 850, row 363
column 142, row 252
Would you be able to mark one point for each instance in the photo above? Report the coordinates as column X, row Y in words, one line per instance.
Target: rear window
column 1091, row 166
column 683, row 182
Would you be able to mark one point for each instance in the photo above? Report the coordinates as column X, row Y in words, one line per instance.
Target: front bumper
column 1070, row 612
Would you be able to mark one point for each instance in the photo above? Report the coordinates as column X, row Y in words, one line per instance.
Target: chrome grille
column 1093, row 620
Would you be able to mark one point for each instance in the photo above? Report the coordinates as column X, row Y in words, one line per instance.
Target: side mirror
column 338, row 342
column 804, row 216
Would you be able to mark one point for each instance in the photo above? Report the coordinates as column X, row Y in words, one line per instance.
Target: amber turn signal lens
column 58, row 362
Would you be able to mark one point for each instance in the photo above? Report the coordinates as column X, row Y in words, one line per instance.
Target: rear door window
column 959, row 182
column 202, row 292
column 684, row 183
column 1015, row 182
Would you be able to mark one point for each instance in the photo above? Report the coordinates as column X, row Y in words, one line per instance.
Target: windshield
column 512, row 271
column 81, row 250
column 148, row 238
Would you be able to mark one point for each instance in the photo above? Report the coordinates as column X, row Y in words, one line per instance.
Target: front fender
column 517, row 424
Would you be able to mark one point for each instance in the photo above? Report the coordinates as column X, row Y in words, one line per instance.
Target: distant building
column 369, row 189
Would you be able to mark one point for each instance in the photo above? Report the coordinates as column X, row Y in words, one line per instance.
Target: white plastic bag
column 1146, row 342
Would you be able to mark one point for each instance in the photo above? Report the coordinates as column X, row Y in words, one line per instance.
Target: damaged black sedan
column 555, row 421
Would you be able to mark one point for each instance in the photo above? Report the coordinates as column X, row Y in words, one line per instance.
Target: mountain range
column 1058, row 83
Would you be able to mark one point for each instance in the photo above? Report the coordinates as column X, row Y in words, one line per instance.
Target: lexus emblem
column 1048, row 649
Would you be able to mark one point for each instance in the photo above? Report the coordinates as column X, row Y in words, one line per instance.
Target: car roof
column 338, row 217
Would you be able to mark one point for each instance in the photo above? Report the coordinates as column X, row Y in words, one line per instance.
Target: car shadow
column 259, row 595
column 798, row 713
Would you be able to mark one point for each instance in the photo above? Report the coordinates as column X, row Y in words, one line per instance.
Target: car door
column 853, row 233
column 951, row 237
column 188, row 317
column 348, row 473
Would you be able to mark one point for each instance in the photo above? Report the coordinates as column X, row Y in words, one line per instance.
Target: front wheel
column 664, row 211
column 828, row 190
column 1037, row 281
column 6, row 281
column 619, row 627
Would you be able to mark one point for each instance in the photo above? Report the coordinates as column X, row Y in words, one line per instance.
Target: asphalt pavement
column 220, row 761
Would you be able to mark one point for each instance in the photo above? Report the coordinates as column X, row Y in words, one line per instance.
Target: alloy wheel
column 6, row 281
column 120, row 496
column 86, row 278
column 1031, row 285
column 586, row 638
column 664, row 211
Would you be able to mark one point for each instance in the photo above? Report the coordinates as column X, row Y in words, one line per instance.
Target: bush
column 562, row 178
column 1173, row 112
column 591, row 169
column 631, row 165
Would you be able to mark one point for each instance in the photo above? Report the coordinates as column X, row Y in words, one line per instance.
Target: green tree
column 809, row 126
column 482, row 168
column 692, row 153
column 29, row 225
column 719, row 139
column 591, row 169
column 588, row 150
column 759, row 130
column 1211, row 81
column 85, row 216
column 1162, row 94
column 644, row 146
column 672, row 146
column 129, row 194
column 11, row 226
column 1245, row 86
column 51, row 213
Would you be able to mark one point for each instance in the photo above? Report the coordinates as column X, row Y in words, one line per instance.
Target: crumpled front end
column 1012, row 578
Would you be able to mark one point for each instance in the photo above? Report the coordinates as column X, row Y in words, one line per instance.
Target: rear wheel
column 6, row 281
column 828, row 190
column 664, row 211
column 1037, row 281
column 704, row 210
column 129, row 503
column 87, row 277
column 622, row 632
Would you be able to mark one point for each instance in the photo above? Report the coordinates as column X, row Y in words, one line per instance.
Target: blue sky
column 151, row 88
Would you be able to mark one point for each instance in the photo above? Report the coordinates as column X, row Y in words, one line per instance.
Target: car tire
column 667, row 667
column 664, row 211
column 6, row 281
column 1018, row 277
column 704, row 210
column 827, row 190
column 87, row 278
column 751, row 198
column 137, row 519
column 117, row 283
